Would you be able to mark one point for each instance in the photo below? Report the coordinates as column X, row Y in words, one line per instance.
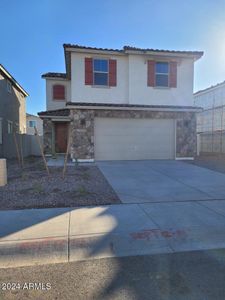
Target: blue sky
column 32, row 34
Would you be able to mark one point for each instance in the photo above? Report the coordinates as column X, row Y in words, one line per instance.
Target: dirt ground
column 32, row 188
column 212, row 162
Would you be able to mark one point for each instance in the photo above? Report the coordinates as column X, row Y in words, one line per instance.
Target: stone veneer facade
column 82, row 130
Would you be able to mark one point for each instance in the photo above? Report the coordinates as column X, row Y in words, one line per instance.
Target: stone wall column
column 82, row 134
column 48, row 136
column 186, row 137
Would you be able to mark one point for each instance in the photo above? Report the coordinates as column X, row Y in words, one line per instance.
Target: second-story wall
column 59, row 103
column 131, row 82
column 141, row 93
column 132, row 85
column 87, row 93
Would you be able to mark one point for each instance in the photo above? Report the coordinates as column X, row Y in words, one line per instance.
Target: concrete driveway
column 162, row 181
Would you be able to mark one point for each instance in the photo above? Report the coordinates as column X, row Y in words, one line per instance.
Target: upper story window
column 101, row 71
column 162, row 74
column 9, row 86
column 58, row 92
column 32, row 124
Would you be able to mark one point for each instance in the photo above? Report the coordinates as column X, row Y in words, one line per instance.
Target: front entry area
column 134, row 139
column 61, row 137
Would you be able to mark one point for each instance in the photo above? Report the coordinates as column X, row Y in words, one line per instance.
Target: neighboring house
column 126, row 104
column 211, row 121
column 34, row 121
column 12, row 111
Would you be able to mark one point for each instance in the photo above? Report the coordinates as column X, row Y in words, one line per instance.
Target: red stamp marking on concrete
column 44, row 243
column 147, row 234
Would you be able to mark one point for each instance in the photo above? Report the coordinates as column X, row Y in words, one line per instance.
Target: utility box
column 3, row 172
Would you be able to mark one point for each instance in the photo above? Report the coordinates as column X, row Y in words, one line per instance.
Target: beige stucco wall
column 22, row 111
column 131, row 85
column 12, row 109
column 56, row 104
column 132, row 82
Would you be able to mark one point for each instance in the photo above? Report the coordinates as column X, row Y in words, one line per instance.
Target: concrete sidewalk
column 40, row 236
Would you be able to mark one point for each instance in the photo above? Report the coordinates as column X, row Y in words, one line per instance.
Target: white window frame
column 167, row 74
column 10, row 127
column 1, row 131
column 9, row 86
column 103, row 72
column 35, row 123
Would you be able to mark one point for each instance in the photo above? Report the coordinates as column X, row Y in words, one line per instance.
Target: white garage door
column 134, row 139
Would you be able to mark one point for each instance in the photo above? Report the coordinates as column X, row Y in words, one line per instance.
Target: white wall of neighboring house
column 38, row 124
column 212, row 101
column 213, row 97
column 131, row 85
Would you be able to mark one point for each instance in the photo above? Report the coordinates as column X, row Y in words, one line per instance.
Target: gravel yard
column 32, row 188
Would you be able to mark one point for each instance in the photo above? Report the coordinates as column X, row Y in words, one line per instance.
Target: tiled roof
column 30, row 115
column 130, row 105
column 130, row 48
column 89, row 48
column 211, row 87
column 54, row 75
column 58, row 112
column 123, row 51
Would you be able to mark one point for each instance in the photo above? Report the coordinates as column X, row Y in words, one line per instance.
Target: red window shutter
column 151, row 73
column 173, row 74
column 112, row 72
column 88, row 71
column 58, row 92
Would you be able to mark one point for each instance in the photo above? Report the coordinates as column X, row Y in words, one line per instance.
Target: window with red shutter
column 100, row 72
column 58, row 92
column 162, row 74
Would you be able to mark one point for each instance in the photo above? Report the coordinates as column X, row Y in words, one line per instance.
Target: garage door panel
column 127, row 139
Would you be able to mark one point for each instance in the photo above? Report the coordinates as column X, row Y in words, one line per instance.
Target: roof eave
column 9, row 76
column 195, row 56
column 103, row 106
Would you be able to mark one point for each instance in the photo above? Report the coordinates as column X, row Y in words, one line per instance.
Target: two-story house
column 12, row 112
column 126, row 104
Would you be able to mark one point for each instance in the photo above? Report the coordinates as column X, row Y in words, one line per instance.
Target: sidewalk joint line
column 211, row 209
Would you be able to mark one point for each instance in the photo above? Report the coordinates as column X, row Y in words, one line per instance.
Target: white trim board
column 83, row 160
column 184, row 158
